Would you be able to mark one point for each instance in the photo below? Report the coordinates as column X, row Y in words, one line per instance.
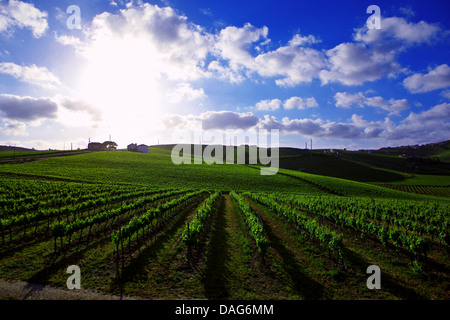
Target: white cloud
column 13, row 128
column 437, row 78
column 430, row 125
column 268, row 105
column 31, row 111
column 23, row 15
column 211, row 120
column 68, row 40
column 172, row 45
column 78, row 105
column 437, row 113
column 427, row 126
column 446, row 94
column 294, row 63
column 40, row 76
column 353, row 64
column 300, row 103
column 397, row 32
column 298, row 40
column 346, row 100
column 225, row 73
column 233, row 44
column 374, row 52
column 185, row 92
column 393, row 106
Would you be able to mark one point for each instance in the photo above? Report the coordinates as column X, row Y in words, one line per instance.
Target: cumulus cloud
column 33, row 74
column 27, row 108
column 212, row 120
column 307, row 127
column 393, row 106
column 373, row 53
column 233, row 44
column 436, row 113
column 353, row 64
column 78, row 105
column 218, row 70
column 13, row 128
column 22, row 15
column 68, row 40
column 173, row 46
column 291, row 64
column 185, row 92
column 288, row 104
column 17, row 112
column 437, row 78
column 294, row 64
column 300, row 103
column 429, row 125
column 299, row 40
column 398, row 33
column 222, row 120
column 268, row 105
column 446, row 94
column 184, row 51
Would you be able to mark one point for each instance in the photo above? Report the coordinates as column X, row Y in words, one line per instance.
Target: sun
column 121, row 78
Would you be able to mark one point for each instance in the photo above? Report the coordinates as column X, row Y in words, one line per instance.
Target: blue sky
column 140, row 70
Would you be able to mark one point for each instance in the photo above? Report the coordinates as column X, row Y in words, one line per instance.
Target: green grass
column 354, row 188
column 425, row 180
column 157, row 170
column 21, row 154
column 444, row 156
column 332, row 166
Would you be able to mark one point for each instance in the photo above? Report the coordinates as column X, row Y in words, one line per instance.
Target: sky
column 139, row 71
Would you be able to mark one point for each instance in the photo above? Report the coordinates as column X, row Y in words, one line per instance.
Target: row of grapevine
column 69, row 212
column 13, row 205
column 151, row 221
column 62, row 229
column 195, row 227
column 152, row 215
column 253, row 222
column 325, row 207
column 325, row 237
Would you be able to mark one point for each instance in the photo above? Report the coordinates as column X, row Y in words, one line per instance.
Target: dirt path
column 226, row 271
column 20, row 290
column 289, row 263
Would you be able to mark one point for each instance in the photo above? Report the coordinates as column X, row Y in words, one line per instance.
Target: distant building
column 105, row 146
column 142, row 148
column 132, row 147
column 96, row 146
column 137, row 148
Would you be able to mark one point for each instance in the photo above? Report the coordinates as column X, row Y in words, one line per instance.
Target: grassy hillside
column 321, row 164
column 395, row 162
column 156, row 169
column 355, row 188
column 332, row 166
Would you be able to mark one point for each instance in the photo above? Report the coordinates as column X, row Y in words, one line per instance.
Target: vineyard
column 440, row 191
column 189, row 243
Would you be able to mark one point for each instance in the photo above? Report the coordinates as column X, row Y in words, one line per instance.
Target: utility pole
column 311, row 148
